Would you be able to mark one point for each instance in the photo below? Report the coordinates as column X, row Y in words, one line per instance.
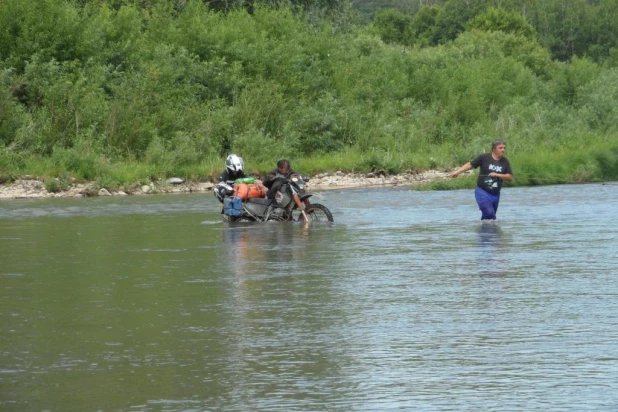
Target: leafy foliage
column 392, row 25
column 155, row 88
column 582, row 28
column 497, row 19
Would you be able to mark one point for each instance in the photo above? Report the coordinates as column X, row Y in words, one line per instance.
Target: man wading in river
column 495, row 168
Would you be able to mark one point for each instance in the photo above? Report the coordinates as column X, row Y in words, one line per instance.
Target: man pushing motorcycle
column 285, row 197
column 278, row 177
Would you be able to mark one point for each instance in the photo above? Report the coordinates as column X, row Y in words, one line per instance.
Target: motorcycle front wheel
column 244, row 219
column 316, row 212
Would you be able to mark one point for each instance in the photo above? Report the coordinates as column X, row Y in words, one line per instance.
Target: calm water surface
column 407, row 302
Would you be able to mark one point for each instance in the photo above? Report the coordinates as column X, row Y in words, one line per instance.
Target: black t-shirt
column 488, row 164
column 272, row 176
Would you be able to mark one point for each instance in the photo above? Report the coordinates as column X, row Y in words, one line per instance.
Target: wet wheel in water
column 317, row 213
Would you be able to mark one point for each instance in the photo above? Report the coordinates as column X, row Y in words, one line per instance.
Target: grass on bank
column 597, row 163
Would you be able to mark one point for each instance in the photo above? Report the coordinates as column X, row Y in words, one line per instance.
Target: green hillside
column 124, row 91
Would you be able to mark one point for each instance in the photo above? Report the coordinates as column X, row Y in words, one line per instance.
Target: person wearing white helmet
column 234, row 169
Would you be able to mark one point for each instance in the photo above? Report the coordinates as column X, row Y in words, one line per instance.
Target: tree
column 305, row 5
column 422, row 29
column 497, row 19
column 391, row 25
column 453, row 18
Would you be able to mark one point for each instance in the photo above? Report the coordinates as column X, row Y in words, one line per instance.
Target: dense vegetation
column 123, row 91
column 565, row 28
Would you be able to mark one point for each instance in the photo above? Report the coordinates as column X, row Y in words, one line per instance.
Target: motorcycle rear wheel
column 317, row 213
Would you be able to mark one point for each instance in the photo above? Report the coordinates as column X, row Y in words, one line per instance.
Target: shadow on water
column 493, row 247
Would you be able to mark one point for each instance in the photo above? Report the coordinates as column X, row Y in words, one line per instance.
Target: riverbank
column 29, row 187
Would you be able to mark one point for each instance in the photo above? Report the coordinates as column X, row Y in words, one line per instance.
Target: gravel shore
column 29, row 187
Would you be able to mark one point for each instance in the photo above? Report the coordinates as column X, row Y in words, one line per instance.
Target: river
column 407, row 302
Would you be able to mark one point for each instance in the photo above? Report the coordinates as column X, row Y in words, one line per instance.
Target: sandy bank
column 32, row 187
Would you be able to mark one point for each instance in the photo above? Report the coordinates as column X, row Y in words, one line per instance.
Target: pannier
column 232, row 206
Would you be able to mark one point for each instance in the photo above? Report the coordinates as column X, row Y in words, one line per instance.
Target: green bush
column 55, row 185
column 598, row 101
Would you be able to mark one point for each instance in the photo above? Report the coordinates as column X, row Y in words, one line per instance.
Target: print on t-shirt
column 488, row 164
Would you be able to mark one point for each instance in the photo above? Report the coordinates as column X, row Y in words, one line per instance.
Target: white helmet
column 234, row 164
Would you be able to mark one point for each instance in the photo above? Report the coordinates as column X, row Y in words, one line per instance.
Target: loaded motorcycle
column 290, row 203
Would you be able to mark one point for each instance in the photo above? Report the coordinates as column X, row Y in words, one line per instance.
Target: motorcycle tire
column 244, row 219
column 317, row 213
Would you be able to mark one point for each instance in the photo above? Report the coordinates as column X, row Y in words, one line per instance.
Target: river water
column 407, row 302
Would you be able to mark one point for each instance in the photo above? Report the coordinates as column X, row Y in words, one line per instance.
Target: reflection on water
column 407, row 302
column 490, row 234
column 253, row 247
column 493, row 249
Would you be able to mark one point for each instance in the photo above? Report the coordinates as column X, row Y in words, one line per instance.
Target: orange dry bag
column 249, row 190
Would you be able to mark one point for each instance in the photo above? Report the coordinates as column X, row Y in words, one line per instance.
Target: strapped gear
column 234, row 164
